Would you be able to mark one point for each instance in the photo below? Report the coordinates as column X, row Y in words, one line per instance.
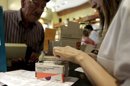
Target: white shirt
column 114, row 54
column 94, row 35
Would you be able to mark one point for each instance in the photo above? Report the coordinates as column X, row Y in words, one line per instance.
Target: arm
column 92, row 69
column 36, row 51
column 97, row 74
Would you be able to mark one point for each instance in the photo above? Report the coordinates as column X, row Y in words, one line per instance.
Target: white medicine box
column 48, row 72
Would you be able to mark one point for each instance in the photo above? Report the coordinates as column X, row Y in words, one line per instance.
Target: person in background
column 22, row 26
column 113, row 54
column 93, row 33
column 85, row 39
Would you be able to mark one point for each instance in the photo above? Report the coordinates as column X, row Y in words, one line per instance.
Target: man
column 23, row 27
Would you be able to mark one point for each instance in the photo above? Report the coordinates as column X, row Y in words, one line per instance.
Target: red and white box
column 49, row 71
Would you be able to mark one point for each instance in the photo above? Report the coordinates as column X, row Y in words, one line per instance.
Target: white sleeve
column 126, row 82
column 122, row 53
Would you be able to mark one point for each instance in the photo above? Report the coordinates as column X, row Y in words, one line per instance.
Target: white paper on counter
column 79, row 69
column 27, row 78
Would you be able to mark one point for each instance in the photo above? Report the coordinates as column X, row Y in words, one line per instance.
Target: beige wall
column 80, row 13
column 10, row 4
column 4, row 4
column 14, row 4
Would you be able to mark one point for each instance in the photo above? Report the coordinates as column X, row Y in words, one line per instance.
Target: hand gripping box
column 47, row 71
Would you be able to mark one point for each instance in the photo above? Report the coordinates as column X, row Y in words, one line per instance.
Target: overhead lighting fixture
column 60, row 5
column 97, row 19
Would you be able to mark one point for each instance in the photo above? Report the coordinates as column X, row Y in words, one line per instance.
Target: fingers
column 57, row 51
column 62, row 51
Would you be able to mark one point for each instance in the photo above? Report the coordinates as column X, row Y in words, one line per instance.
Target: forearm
column 95, row 72
column 94, row 56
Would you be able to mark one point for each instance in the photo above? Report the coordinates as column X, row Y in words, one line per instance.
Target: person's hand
column 68, row 53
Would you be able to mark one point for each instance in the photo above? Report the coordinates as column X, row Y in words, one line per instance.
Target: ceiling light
column 97, row 19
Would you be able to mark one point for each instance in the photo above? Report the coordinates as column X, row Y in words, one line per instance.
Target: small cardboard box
column 50, row 34
column 71, row 33
column 49, row 71
column 70, row 42
column 74, row 25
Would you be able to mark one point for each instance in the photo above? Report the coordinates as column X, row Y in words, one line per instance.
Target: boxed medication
column 50, row 69
column 71, row 33
column 70, row 42
column 47, row 71
column 74, row 25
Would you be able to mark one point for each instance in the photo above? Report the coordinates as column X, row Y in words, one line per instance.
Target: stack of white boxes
column 71, row 34
column 50, row 70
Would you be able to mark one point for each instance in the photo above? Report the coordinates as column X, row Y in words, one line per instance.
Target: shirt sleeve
column 40, row 42
column 122, row 53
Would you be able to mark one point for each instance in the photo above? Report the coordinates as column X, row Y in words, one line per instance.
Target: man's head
column 89, row 27
column 32, row 9
column 87, row 30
